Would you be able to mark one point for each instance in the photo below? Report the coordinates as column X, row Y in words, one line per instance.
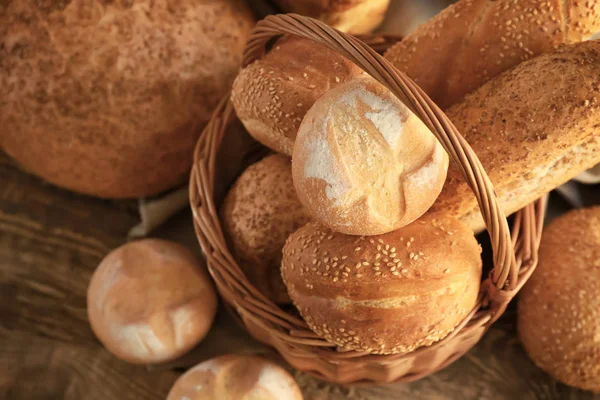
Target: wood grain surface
column 51, row 241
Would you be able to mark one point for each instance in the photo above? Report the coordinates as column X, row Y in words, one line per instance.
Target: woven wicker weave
column 514, row 254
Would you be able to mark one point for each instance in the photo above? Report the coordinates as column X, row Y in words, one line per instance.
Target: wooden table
column 51, row 241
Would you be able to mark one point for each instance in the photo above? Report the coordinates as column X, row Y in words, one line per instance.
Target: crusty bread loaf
column 559, row 308
column 533, row 128
column 236, row 378
column 473, row 41
column 108, row 98
column 260, row 211
column 363, row 163
column 150, row 301
column 384, row 294
column 352, row 16
column 272, row 95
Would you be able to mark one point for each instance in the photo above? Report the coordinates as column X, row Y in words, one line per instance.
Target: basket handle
column 505, row 272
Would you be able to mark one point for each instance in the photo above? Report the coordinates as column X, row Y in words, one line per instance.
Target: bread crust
column 272, row 95
column 108, row 98
column 388, row 293
column 473, row 41
column 363, row 163
column 352, row 16
column 150, row 301
column 259, row 212
column 236, row 377
column 559, row 307
column 533, row 128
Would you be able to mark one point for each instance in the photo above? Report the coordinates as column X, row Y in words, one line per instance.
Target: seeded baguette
column 533, row 128
column 473, row 41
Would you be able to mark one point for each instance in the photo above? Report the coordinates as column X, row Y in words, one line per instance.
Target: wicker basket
column 514, row 254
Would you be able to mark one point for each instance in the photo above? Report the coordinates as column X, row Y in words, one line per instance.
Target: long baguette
column 533, row 128
column 473, row 41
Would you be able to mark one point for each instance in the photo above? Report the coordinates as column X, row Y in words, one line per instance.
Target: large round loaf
column 363, row 163
column 108, row 98
column 559, row 307
column 272, row 95
column 384, row 294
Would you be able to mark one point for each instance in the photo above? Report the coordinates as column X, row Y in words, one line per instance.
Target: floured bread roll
column 236, row 378
column 363, row 164
column 150, row 301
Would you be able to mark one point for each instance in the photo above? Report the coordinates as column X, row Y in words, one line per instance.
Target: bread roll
column 353, row 16
column 473, row 41
column 236, row 378
column 533, row 128
column 559, row 308
column 272, row 95
column 150, row 301
column 260, row 211
column 363, row 163
column 108, row 98
column 384, row 294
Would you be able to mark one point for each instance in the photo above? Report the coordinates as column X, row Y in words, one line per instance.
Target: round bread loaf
column 150, row 301
column 384, row 294
column 108, row 98
column 236, row 378
column 559, row 307
column 363, row 164
column 352, row 16
column 272, row 95
column 260, row 211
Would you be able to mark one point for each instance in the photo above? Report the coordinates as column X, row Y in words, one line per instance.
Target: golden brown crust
column 114, row 108
column 559, row 308
column 388, row 293
column 352, row 16
column 363, row 163
column 533, row 128
column 260, row 211
column 473, row 41
column 272, row 95
column 150, row 301
column 236, row 377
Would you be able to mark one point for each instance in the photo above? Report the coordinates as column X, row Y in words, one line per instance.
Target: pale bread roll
column 363, row 163
column 384, row 294
column 259, row 212
column 150, row 301
column 236, row 378
column 473, row 41
column 352, row 16
column 533, row 128
column 272, row 95
column 559, row 307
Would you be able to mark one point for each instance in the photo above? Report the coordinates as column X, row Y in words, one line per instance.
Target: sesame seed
column 380, row 241
column 357, row 249
column 446, row 271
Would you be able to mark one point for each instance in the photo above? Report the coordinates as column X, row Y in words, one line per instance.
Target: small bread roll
column 236, row 378
column 150, row 301
column 559, row 308
column 363, row 163
column 259, row 213
column 352, row 16
column 272, row 95
column 384, row 294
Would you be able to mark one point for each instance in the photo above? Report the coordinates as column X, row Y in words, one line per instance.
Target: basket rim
column 515, row 253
